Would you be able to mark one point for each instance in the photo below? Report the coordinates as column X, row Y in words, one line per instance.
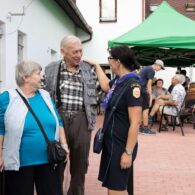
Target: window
column 21, row 46
column 153, row 7
column 190, row 7
column 108, row 10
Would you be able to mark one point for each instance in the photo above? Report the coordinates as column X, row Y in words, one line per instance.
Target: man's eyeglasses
column 111, row 58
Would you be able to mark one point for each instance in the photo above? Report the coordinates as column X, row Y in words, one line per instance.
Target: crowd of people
column 67, row 107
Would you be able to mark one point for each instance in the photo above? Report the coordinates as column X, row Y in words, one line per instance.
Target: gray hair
column 23, row 69
column 180, row 78
column 69, row 39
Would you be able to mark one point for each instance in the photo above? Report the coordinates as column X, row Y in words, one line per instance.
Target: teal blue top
column 33, row 148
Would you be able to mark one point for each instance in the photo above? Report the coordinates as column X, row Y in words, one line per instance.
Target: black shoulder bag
column 99, row 136
column 55, row 152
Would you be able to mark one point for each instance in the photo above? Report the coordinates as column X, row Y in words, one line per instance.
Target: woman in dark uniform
column 120, row 141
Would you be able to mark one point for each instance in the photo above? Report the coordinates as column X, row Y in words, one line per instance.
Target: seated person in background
column 154, row 82
column 171, row 86
column 177, row 97
column 192, row 87
column 159, row 92
column 190, row 97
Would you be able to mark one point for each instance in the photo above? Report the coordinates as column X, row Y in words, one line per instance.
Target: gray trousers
column 78, row 137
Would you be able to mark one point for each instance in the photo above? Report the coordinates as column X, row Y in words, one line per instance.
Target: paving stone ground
column 165, row 164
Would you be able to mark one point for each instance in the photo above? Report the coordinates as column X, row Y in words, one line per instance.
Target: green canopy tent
column 165, row 34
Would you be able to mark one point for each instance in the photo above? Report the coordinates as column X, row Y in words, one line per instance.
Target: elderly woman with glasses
column 120, row 138
column 23, row 149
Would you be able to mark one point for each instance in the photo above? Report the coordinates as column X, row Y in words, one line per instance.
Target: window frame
column 103, row 16
column 190, row 7
column 21, row 46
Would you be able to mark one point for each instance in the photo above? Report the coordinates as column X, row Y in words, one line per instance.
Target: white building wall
column 168, row 73
column 44, row 24
column 129, row 14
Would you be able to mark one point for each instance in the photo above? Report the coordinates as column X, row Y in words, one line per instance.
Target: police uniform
column 116, row 134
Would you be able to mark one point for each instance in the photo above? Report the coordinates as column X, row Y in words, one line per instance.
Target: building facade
column 32, row 30
column 185, row 7
column 109, row 19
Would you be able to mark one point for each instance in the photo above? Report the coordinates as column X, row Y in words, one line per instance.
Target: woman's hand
column 126, row 161
column 102, row 78
column 92, row 63
column 1, row 164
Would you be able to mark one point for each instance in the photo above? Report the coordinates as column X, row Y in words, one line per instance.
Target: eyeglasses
column 111, row 58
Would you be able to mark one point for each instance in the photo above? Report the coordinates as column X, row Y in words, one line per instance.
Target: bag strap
column 35, row 116
column 114, row 107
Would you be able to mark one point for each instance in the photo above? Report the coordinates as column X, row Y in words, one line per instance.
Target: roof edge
column 74, row 13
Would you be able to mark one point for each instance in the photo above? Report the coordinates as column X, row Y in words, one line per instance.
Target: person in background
column 159, row 92
column 171, row 86
column 147, row 74
column 154, row 82
column 100, row 100
column 192, row 86
column 72, row 84
column 177, row 97
column 187, row 79
column 23, row 149
column 120, row 139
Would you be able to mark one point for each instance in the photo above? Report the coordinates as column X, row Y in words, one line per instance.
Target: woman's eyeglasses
column 111, row 58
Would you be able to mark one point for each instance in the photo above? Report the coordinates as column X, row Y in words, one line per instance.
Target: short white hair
column 69, row 39
column 23, row 69
column 181, row 78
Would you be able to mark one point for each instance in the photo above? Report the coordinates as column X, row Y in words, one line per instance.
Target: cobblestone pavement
column 165, row 164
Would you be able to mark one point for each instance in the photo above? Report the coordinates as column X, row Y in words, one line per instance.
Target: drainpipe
column 87, row 40
column 143, row 10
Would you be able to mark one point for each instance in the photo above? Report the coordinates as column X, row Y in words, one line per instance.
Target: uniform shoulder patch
column 136, row 92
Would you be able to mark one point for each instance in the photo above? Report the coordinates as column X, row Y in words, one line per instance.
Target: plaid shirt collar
column 64, row 67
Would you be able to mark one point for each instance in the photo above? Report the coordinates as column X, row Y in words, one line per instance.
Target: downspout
column 143, row 10
column 87, row 40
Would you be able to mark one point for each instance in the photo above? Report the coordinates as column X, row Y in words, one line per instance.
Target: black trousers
column 78, row 138
column 43, row 177
column 2, row 183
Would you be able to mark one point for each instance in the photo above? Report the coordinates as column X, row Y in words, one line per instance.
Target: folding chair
column 189, row 111
column 174, row 117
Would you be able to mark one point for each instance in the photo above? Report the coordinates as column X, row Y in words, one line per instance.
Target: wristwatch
column 129, row 152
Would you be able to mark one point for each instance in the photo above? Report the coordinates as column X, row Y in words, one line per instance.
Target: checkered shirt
column 71, row 89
